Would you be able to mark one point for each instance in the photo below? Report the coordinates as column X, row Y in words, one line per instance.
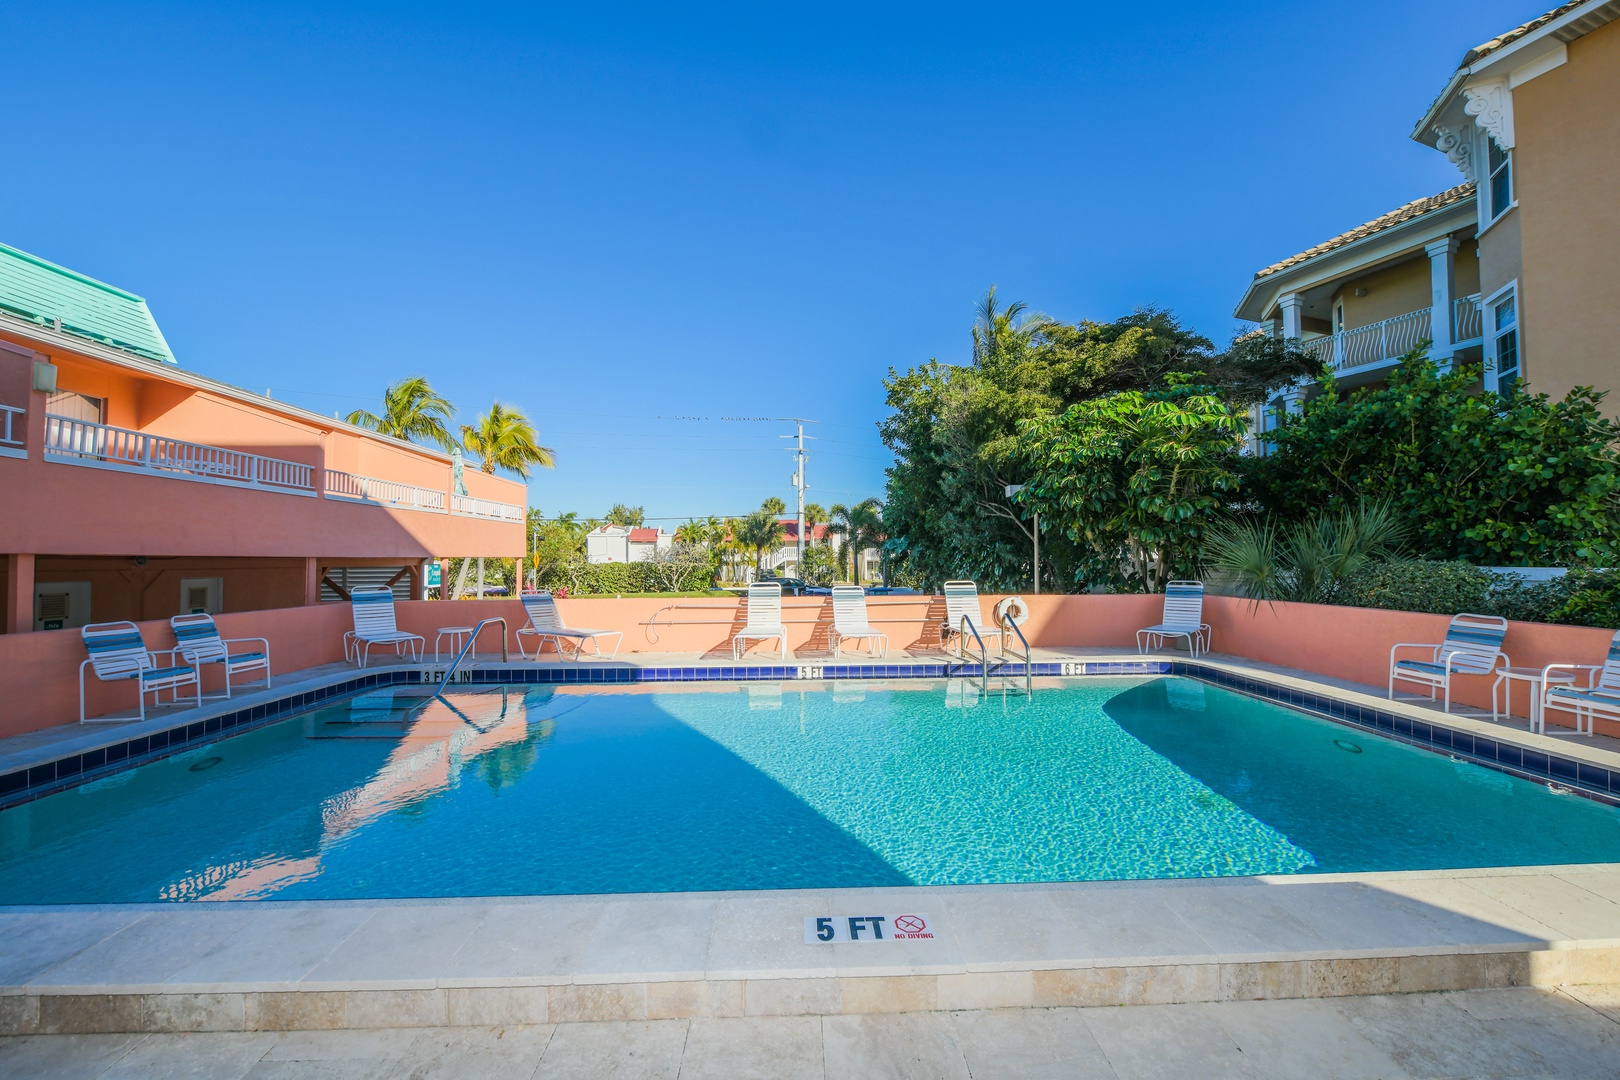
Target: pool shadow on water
column 1356, row 801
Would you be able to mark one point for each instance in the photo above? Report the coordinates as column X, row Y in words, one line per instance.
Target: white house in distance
column 622, row 543
column 784, row 560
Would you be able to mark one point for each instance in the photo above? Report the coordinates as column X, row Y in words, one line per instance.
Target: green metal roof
column 54, row 296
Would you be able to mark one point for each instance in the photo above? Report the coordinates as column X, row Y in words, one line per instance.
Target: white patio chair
column 962, row 602
column 1473, row 646
column 116, row 653
column 851, row 621
column 199, row 642
column 546, row 624
column 373, row 609
column 764, row 619
column 1183, row 618
column 1599, row 697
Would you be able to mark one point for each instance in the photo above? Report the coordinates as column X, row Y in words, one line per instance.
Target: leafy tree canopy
column 954, row 429
column 1515, row 480
column 633, row 517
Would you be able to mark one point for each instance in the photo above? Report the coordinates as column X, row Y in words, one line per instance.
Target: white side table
column 459, row 634
column 1531, row 676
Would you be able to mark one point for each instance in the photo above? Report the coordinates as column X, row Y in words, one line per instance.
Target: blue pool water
column 529, row 790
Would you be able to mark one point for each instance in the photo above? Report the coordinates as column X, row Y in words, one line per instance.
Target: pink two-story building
column 133, row 488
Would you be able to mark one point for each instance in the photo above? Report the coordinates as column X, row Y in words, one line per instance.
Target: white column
column 1443, row 281
column 1293, row 316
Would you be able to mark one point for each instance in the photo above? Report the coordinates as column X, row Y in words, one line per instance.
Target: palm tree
column 411, row 411
column 504, row 439
column 759, row 531
column 773, row 506
column 861, row 527
column 997, row 329
column 814, row 514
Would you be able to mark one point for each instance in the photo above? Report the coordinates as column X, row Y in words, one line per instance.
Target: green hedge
column 608, row 579
column 1582, row 597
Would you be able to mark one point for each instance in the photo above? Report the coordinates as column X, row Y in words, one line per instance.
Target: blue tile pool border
column 36, row 781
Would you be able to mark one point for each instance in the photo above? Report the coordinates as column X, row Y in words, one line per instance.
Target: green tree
column 1133, row 480
column 760, row 531
column 411, row 411
column 773, row 506
column 633, row 517
column 859, row 527
column 1514, row 480
column 814, row 514
column 954, row 429
column 504, row 439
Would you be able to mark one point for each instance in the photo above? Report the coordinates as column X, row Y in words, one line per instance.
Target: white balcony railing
column 485, row 508
column 1371, row 344
column 11, row 425
column 80, row 442
column 1465, row 319
column 368, row 489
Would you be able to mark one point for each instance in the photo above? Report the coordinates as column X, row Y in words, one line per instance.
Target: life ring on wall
column 1014, row 605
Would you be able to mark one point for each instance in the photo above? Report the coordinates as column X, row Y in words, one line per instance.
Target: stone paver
column 1572, row 1032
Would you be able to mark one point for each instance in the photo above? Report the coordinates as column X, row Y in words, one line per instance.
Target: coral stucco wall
column 39, row 688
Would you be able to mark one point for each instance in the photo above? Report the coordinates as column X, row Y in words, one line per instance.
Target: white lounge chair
column 374, row 625
column 962, row 602
column 199, row 642
column 1183, row 618
column 116, row 653
column 1599, row 697
column 764, row 619
column 851, row 621
column 1473, row 646
column 546, row 624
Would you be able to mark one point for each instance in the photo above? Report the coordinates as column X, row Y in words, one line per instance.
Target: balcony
column 368, row 489
column 485, row 508
column 12, row 432
column 1386, row 341
column 80, row 442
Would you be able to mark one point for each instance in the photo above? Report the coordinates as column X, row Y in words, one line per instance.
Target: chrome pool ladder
column 472, row 639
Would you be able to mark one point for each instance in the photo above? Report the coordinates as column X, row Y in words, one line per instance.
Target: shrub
column 819, row 566
column 1431, row 585
column 581, row 578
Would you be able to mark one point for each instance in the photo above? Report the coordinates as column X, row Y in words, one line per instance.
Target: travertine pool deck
column 362, row 964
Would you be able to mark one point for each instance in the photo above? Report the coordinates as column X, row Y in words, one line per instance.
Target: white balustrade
column 81, row 442
column 485, row 508
column 369, row 489
column 1373, row 343
column 11, row 425
column 1465, row 319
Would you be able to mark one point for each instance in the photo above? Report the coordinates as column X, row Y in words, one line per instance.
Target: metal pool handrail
column 1007, row 623
column 472, row 639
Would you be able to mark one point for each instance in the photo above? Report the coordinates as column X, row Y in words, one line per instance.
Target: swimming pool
column 523, row 790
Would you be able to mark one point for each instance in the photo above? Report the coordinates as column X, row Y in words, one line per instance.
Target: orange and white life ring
column 1015, row 606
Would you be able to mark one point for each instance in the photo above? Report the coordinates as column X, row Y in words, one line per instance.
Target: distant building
column 623, row 543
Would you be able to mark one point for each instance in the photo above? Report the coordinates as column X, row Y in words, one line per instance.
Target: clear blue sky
column 616, row 218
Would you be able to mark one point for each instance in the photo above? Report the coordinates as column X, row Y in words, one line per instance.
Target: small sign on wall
column 866, row 929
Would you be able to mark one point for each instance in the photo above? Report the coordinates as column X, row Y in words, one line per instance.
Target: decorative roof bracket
column 1491, row 106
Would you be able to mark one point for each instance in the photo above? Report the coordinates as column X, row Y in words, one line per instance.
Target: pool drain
column 1347, row 745
column 206, row 763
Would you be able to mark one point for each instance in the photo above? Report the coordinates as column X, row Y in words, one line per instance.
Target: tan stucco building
column 1508, row 270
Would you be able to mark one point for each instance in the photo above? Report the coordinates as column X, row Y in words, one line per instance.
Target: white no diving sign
column 846, row 929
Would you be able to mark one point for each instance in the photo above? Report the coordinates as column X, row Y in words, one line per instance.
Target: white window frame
column 1487, row 324
column 1482, row 187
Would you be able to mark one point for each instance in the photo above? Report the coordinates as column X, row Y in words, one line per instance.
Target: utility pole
column 798, row 451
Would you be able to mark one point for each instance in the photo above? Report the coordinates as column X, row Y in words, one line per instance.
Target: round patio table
column 1532, row 677
column 457, row 636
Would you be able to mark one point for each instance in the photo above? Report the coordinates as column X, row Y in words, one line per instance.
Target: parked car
column 791, row 586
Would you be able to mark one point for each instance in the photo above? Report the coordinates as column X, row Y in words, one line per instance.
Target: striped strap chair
column 374, row 625
column 1473, row 646
column 117, row 653
column 546, row 624
column 850, row 621
column 1599, row 697
column 962, row 603
column 1183, row 618
column 199, row 642
column 764, row 619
